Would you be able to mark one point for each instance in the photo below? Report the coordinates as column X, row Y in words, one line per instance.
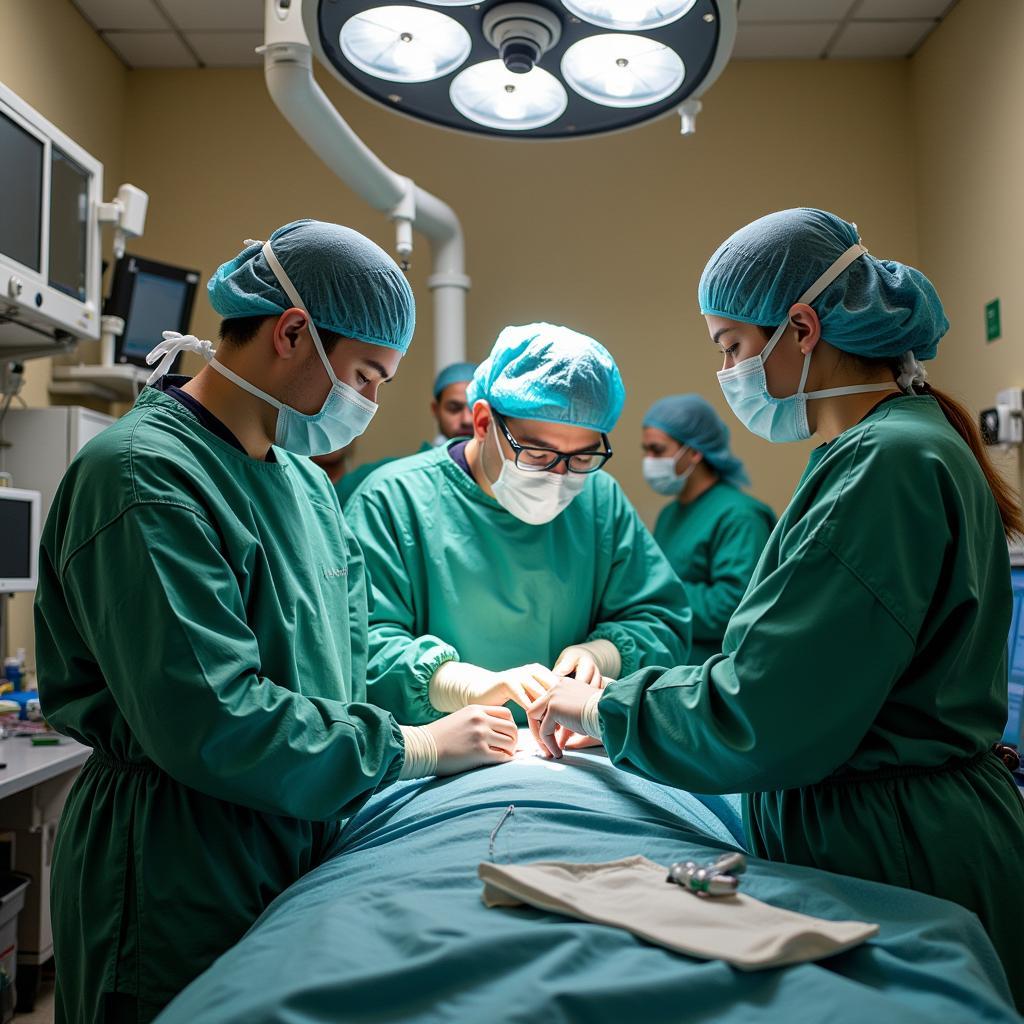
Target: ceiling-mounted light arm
column 288, row 70
column 404, row 215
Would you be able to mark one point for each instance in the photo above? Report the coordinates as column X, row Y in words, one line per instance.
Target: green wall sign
column 993, row 321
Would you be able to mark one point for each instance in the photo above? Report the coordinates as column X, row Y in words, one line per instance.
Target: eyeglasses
column 540, row 460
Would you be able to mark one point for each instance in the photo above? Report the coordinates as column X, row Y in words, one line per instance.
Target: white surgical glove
column 589, row 662
column 469, row 738
column 456, row 685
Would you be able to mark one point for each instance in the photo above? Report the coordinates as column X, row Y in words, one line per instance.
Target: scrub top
column 863, row 679
column 350, row 481
column 201, row 624
column 456, row 576
column 713, row 543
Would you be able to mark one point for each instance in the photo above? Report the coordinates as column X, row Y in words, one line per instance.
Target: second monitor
column 151, row 298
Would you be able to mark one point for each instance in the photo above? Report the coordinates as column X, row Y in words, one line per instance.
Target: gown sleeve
column 183, row 666
column 642, row 608
column 810, row 657
column 401, row 662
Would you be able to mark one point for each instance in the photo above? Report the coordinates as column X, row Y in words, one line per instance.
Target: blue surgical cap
column 544, row 372
column 690, row 420
column 878, row 309
column 349, row 284
column 457, row 373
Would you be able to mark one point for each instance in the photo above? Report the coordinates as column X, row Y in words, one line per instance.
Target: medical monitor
column 151, row 298
column 50, row 190
column 1015, row 721
column 19, row 539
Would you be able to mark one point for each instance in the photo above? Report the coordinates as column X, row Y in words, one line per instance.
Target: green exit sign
column 993, row 322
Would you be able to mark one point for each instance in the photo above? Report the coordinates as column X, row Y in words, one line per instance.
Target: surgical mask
column 660, row 473
column 745, row 385
column 535, row 498
column 344, row 415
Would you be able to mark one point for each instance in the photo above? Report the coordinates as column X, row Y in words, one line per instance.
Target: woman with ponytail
column 861, row 692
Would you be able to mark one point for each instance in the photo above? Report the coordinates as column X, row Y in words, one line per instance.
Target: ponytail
column 963, row 423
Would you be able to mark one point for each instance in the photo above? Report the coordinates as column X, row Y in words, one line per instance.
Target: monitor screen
column 16, row 530
column 158, row 304
column 1016, row 661
column 69, row 221
column 21, row 192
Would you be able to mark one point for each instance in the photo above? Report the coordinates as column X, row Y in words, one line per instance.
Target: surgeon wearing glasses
column 506, row 560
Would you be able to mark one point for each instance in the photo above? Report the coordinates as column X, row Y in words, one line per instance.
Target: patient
column 392, row 926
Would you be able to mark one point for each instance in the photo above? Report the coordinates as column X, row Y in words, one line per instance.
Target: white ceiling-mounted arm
column 288, row 69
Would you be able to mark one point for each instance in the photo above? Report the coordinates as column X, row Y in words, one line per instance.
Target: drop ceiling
column 225, row 33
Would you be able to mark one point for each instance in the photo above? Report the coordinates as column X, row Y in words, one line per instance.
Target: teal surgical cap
column 691, row 421
column 349, row 284
column 457, row 373
column 878, row 309
column 544, row 372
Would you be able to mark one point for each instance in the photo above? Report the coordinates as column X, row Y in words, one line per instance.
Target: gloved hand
column 456, row 685
column 569, row 740
column 570, row 704
column 469, row 738
column 589, row 662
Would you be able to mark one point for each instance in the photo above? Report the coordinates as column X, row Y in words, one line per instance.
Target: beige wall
column 52, row 59
column 607, row 236
column 968, row 102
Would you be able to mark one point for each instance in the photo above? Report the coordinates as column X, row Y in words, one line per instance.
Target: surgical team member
column 500, row 561
column 711, row 532
column 201, row 624
column 862, row 684
column 449, row 409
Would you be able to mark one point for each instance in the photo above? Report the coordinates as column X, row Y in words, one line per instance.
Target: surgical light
column 629, row 15
column 546, row 69
column 622, row 70
column 491, row 95
column 405, row 44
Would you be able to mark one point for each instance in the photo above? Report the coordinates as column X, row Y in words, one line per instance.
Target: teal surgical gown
column 863, row 679
column 350, row 481
column 713, row 543
column 201, row 624
column 456, row 576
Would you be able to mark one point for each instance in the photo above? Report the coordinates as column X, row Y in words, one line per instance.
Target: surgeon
column 201, row 624
column 861, row 691
column 501, row 561
column 711, row 532
column 449, row 409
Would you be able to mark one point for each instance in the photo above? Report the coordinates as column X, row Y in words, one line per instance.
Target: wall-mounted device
column 19, row 527
column 51, row 194
column 1004, row 422
column 149, row 298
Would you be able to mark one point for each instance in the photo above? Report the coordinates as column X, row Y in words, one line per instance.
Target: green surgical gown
column 456, row 576
column 713, row 543
column 350, row 481
column 863, row 679
column 201, row 623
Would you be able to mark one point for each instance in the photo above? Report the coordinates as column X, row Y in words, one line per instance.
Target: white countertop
column 27, row 766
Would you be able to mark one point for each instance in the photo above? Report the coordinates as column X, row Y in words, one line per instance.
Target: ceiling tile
column 122, row 14
column 210, row 15
column 866, row 39
column 900, row 9
column 794, row 10
column 227, row 49
column 150, row 49
column 782, row 42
